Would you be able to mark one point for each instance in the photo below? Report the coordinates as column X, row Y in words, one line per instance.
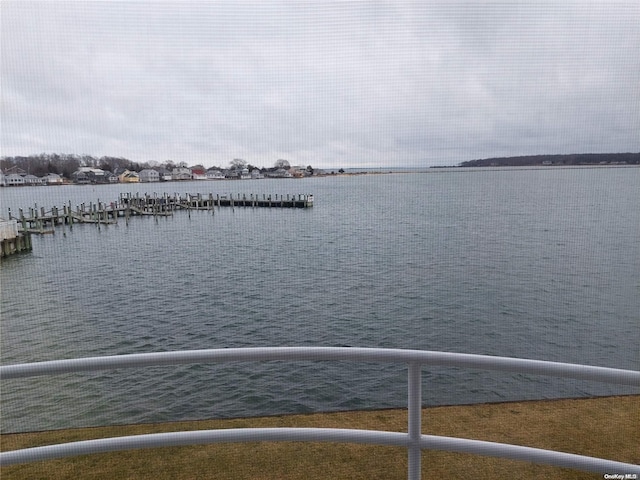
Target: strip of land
column 606, row 427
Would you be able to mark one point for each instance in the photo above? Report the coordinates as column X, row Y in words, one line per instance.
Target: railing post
column 415, row 421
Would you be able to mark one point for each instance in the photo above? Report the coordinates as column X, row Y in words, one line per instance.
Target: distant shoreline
column 576, row 159
column 453, row 168
column 353, row 172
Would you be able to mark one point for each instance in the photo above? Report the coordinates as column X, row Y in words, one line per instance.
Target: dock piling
column 127, row 205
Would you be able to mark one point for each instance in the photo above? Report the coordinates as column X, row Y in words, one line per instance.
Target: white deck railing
column 414, row 440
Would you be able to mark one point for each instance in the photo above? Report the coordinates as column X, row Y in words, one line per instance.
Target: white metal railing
column 414, row 440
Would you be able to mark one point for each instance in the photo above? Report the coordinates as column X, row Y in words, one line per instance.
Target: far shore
column 356, row 171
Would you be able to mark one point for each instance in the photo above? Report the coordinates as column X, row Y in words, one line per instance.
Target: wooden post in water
column 39, row 221
column 155, row 207
column 22, row 219
column 70, row 217
column 96, row 215
column 64, row 214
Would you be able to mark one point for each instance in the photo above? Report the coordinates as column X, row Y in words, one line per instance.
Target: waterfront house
column 129, row 177
column 232, row 173
column 181, row 173
column 89, row 175
column 297, row 172
column 215, row 175
column 149, row 175
column 32, row 180
column 164, row 174
column 198, row 174
column 81, row 178
column 279, row 173
column 244, row 174
column 16, row 170
column 256, row 174
column 13, row 179
column 52, row 179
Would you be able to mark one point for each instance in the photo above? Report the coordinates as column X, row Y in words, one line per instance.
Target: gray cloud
column 327, row 84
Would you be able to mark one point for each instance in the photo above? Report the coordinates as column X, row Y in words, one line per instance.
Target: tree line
column 571, row 159
column 65, row 164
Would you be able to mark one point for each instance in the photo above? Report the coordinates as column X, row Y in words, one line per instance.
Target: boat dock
column 38, row 220
column 11, row 240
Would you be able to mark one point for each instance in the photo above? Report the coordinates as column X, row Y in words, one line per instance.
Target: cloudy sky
column 328, row 84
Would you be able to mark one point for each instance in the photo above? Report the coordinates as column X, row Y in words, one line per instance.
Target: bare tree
column 238, row 164
column 282, row 163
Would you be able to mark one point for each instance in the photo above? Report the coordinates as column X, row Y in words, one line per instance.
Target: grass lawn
column 607, row 427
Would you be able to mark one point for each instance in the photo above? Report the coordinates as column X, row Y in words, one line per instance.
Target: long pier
column 38, row 220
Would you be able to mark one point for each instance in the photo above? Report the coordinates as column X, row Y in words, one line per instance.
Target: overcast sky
column 327, row 84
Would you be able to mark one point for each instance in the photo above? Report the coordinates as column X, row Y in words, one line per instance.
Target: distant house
column 198, row 174
column 181, row 173
column 244, row 174
column 89, row 175
column 297, row 172
column 232, row 173
column 16, row 170
column 164, row 174
column 13, row 179
column 256, row 174
column 52, row 179
column 215, row 175
column 148, row 175
column 81, row 178
column 32, row 180
column 279, row 173
column 129, row 177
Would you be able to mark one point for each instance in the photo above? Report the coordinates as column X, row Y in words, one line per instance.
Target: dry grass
column 604, row 427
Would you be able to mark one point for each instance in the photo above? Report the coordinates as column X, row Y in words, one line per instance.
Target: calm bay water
column 526, row 263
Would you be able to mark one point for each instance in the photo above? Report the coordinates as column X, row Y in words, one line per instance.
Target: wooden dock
column 38, row 220
column 11, row 240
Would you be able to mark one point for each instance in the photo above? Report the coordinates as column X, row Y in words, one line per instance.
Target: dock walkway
column 41, row 221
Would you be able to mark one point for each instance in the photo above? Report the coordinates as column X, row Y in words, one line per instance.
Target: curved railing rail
column 414, row 440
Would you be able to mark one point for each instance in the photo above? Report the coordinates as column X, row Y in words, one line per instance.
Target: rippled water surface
column 525, row 263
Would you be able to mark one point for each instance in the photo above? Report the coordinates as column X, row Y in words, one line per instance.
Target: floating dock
column 41, row 221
